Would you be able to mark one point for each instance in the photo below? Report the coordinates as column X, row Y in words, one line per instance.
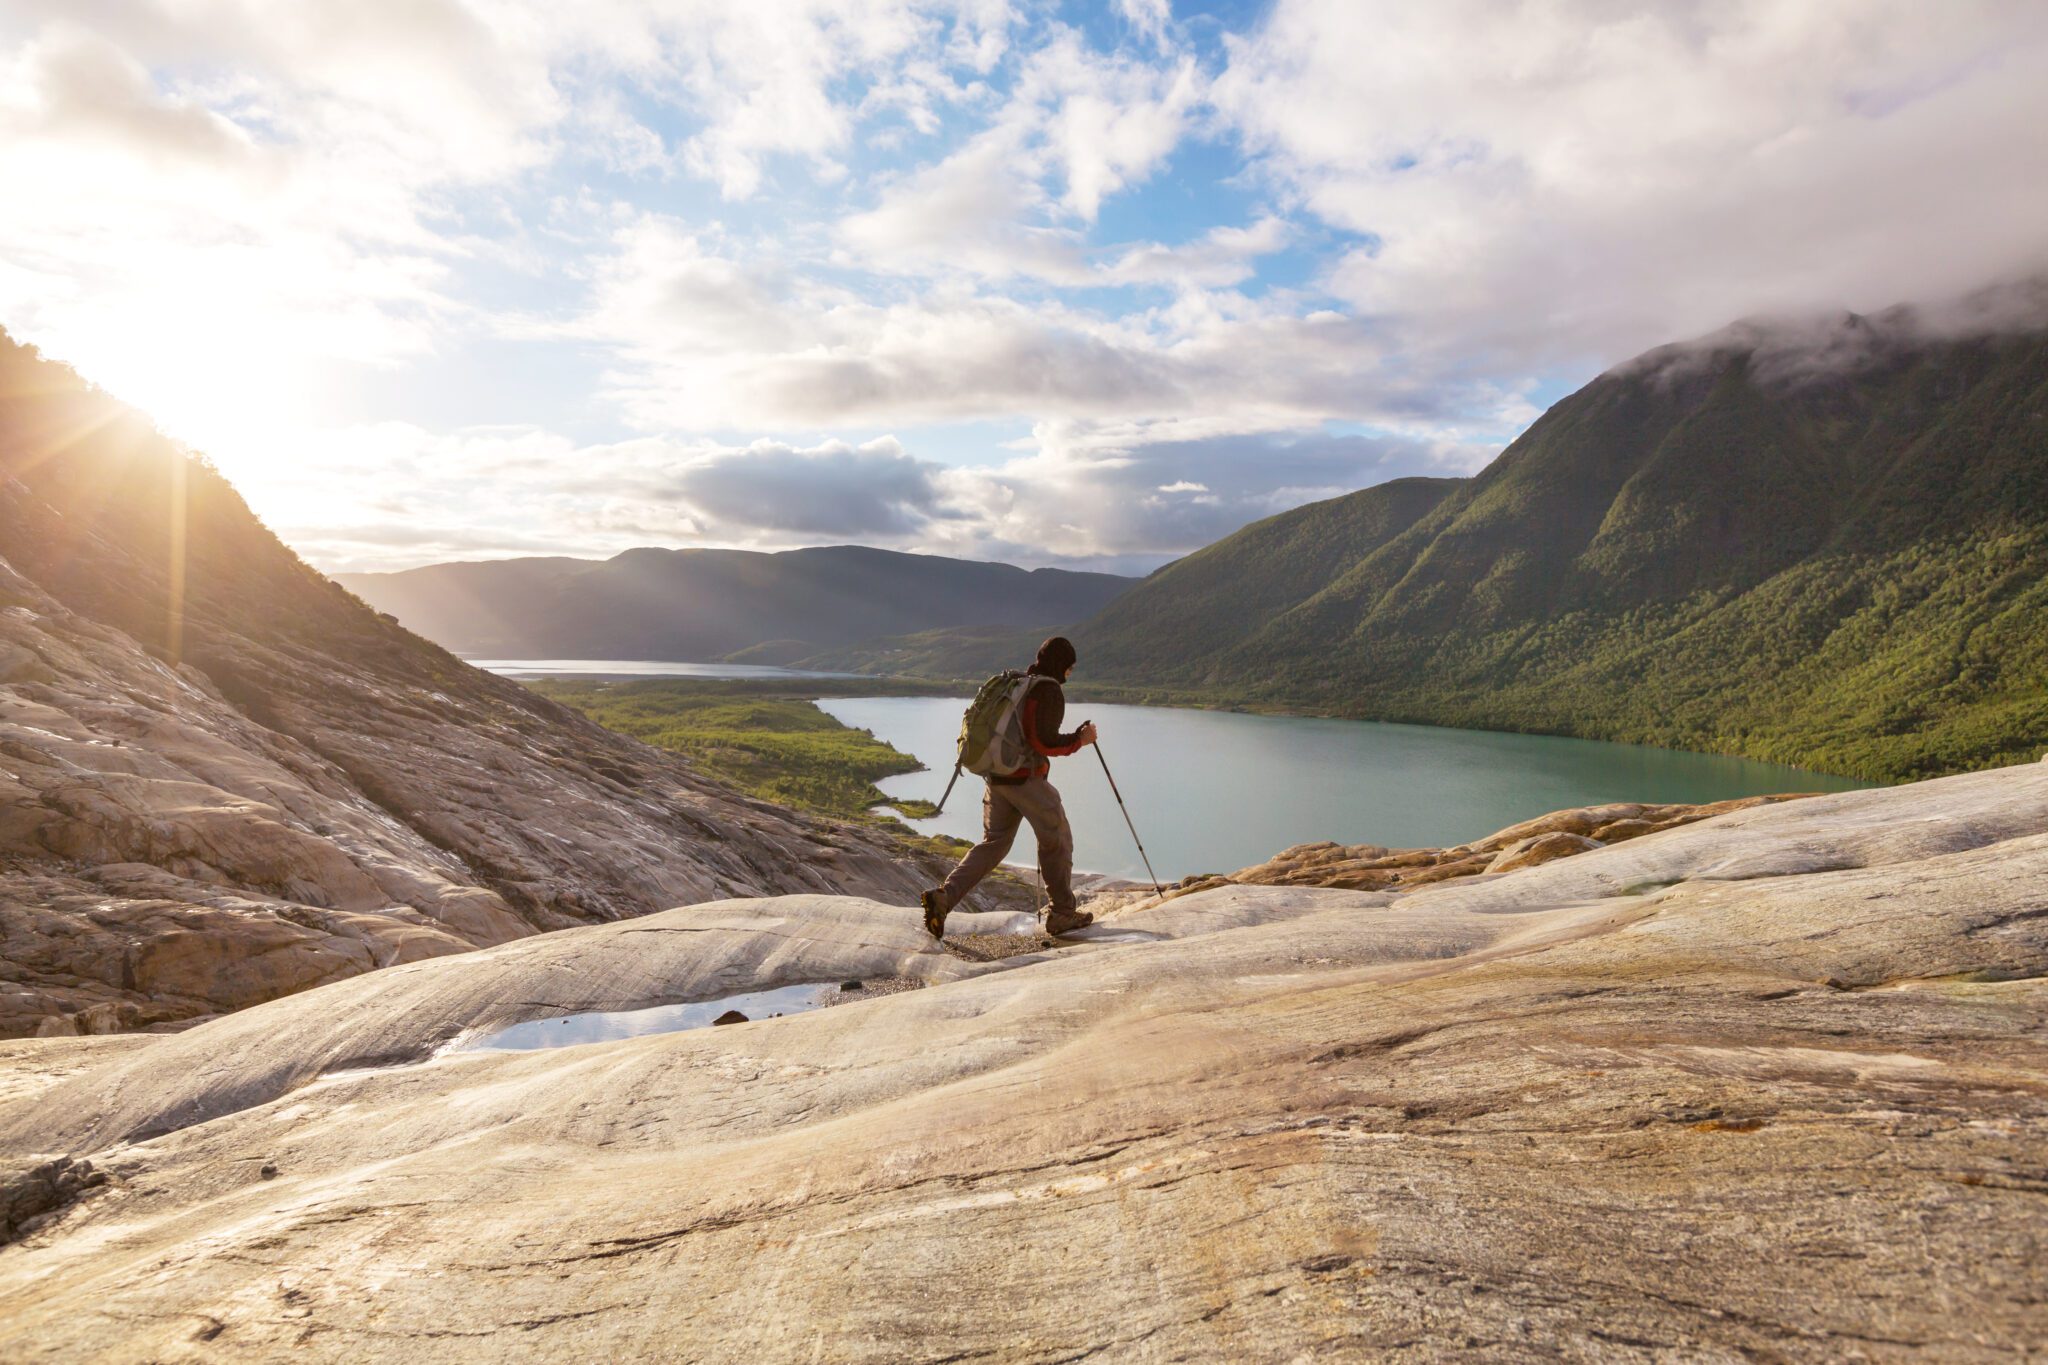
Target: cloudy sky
column 1048, row 282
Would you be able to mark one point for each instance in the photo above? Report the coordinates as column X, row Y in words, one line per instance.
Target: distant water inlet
column 1212, row 791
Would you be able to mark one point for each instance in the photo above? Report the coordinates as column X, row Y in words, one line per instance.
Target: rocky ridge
column 224, row 779
column 1372, row 867
column 1770, row 1084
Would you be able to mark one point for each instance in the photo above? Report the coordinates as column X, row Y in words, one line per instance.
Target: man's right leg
column 999, row 821
column 1040, row 803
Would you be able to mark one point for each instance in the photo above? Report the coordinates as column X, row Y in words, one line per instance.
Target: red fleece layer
column 1049, row 751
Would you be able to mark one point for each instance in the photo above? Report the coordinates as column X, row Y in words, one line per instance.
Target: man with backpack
column 1010, row 735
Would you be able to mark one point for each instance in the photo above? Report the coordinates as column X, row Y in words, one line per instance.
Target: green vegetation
column 751, row 689
column 1845, row 571
column 767, row 741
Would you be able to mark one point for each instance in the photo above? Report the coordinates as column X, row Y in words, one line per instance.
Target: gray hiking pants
column 1003, row 808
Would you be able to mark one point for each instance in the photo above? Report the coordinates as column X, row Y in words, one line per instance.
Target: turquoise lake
column 1212, row 791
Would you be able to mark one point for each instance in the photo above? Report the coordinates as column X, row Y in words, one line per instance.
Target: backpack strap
column 1016, row 707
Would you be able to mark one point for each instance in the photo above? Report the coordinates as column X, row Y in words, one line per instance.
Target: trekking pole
column 949, row 792
column 1127, row 820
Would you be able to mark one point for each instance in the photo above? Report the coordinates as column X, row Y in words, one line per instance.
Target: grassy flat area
column 767, row 739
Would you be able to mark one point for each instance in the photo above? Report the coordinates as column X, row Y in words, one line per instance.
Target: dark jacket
column 1045, row 707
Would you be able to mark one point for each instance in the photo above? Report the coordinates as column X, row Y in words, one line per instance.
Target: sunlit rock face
column 1371, row 867
column 1770, row 1085
column 224, row 779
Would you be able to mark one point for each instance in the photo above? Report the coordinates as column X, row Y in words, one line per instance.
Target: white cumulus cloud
column 1583, row 179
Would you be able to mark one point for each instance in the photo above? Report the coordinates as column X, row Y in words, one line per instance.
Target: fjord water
column 1213, row 791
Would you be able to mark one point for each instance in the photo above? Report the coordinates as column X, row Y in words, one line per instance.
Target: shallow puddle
column 1110, row 933
column 606, row 1026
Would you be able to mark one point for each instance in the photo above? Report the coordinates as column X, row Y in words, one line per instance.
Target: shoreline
column 820, row 686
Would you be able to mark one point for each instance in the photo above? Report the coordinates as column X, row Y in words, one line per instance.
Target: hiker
column 1024, row 794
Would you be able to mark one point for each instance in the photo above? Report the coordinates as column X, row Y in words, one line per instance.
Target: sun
column 227, row 385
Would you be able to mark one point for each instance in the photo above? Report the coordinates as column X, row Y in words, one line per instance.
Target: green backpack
column 992, row 731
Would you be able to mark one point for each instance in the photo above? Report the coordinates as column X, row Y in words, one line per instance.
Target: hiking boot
column 934, row 902
column 1057, row 924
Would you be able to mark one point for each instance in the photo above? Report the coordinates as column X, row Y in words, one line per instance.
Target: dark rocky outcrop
column 27, row 1200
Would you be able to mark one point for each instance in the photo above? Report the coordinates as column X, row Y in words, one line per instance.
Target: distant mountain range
column 1822, row 545
column 710, row 604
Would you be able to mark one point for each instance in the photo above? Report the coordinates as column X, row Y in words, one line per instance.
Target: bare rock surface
column 1370, row 867
column 1773, row 1085
column 223, row 779
column 29, row 1066
column 1538, row 849
column 408, row 1013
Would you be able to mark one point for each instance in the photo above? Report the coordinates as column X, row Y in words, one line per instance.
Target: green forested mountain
column 1827, row 547
column 1225, row 595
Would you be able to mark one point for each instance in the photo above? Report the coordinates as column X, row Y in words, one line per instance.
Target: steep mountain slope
column 223, row 779
column 705, row 604
column 1829, row 550
column 1223, row 595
